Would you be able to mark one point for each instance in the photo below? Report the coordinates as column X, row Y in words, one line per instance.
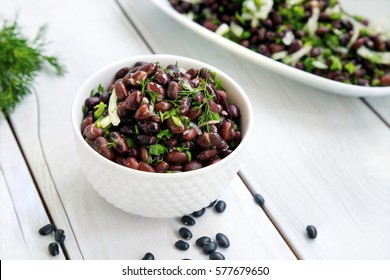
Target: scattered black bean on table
column 47, row 229
column 54, row 249
column 185, row 233
column 212, row 204
column 148, row 256
column 201, row 241
column 187, row 220
column 182, row 245
column 199, row 213
column 222, row 240
column 220, row 206
column 166, row 119
column 210, row 247
column 311, row 231
column 259, row 199
column 216, row 256
column 59, row 235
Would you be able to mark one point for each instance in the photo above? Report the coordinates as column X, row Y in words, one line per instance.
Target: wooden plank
column 124, row 236
column 317, row 158
column 78, row 30
column 19, row 237
column 381, row 105
column 99, row 230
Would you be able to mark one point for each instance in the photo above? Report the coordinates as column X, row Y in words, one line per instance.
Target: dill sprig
column 20, row 61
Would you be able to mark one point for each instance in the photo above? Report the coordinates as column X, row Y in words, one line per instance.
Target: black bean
column 161, row 77
column 92, row 132
column 216, row 256
column 54, row 249
column 222, row 240
column 120, row 90
column 295, row 46
column 121, row 73
column 201, row 241
column 102, row 148
column 209, row 140
column 92, row 101
column 193, row 165
column 119, row 142
column 173, row 90
column 172, row 126
column 149, row 127
column 47, row 229
column 143, row 112
column 210, row 247
column 220, row 206
column 212, row 204
column 59, row 235
column 182, row 245
column 161, row 167
column 385, row 80
column 149, row 68
column 264, row 50
column 131, row 162
column 144, row 139
column 259, row 199
column 199, row 213
column 148, row 256
column 140, row 63
column 176, row 157
column 145, row 167
column 133, row 100
column 187, row 220
column 321, row 31
column 185, row 233
column 311, row 231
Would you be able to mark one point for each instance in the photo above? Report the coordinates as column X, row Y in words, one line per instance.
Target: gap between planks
column 30, row 170
column 138, row 31
column 269, row 216
column 375, row 111
column 63, row 248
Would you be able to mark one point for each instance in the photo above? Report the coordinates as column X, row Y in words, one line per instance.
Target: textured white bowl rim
column 155, row 57
column 304, row 77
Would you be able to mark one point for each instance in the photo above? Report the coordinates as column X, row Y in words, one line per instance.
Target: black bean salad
column 314, row 36
column 163, row 120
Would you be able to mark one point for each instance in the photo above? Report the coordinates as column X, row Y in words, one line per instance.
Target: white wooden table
column 316, row 158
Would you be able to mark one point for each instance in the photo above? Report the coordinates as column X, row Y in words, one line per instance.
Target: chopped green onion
column 350, row 67
column 101, row 107
column 112, row 109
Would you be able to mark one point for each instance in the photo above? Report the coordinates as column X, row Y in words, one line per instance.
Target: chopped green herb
column 131, row 142
column 100, row 88
column 336, row 63
column 350, row 67
column 164, row 134
column 157, row 149
column 101, row 107
column 177, row 121
column 20, row 61
column 189, row 156
column 308, row 64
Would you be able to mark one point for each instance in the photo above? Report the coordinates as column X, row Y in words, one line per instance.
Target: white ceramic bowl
column 154, row 194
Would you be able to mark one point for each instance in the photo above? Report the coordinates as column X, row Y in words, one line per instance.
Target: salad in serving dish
column 318, row 37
